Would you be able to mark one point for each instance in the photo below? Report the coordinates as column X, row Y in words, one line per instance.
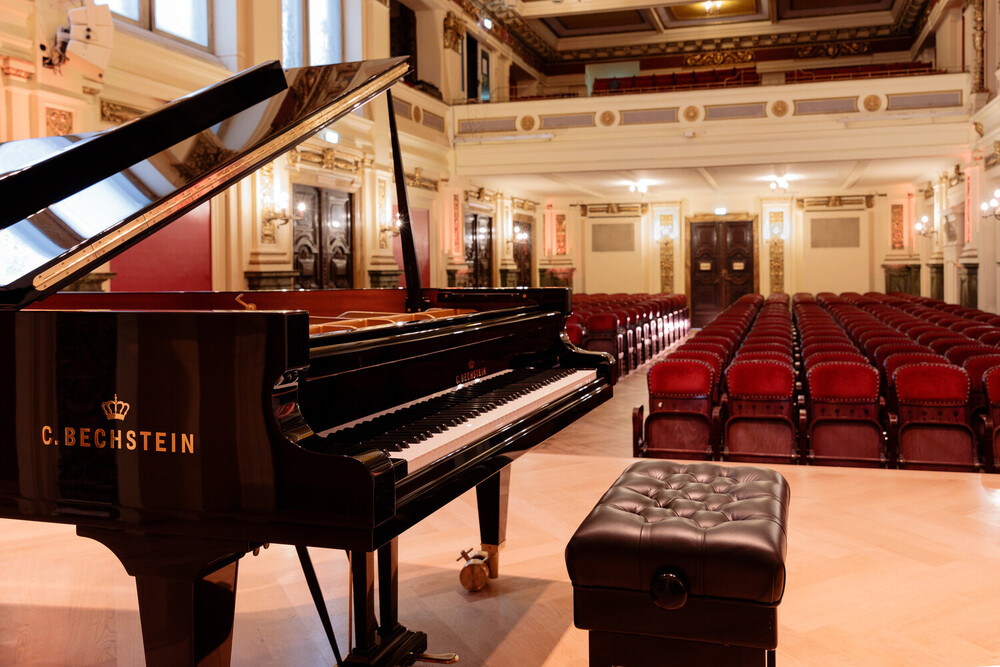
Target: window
column 311, row 32
column 187, row 20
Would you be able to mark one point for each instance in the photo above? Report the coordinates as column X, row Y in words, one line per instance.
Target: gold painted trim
column 418, row 180
column 206, row 186
column 613, row 209
column 118, row 112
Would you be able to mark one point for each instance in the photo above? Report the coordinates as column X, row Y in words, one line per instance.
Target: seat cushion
column 721, row 529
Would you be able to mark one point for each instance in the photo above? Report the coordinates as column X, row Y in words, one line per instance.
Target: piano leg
column 389, row 643
column 491, row 497
column 187, row 594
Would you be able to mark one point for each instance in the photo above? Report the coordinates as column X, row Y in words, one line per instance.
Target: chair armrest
column 892, row 436
column 715, row 433
column 638, row 446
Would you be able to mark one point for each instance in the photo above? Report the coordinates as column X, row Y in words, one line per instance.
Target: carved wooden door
column 479, row 249
column 721, row 266
column 322, row 238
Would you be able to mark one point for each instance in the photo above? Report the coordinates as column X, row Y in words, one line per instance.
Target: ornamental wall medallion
column 779, row 108
column 58, row 122
column 527, row 123
column 607, row 118
column 873, row 103
column 691, row 113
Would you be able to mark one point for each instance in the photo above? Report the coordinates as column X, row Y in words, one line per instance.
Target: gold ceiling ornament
column 832, row 49
column 716, row 58
column 872, row 103
column 607, row 118
column 691, row 113
column 454, row 32
column 527, row 123
column 779, row 108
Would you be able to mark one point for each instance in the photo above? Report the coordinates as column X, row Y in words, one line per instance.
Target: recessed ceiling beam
column 856, row 172
column 712, row 183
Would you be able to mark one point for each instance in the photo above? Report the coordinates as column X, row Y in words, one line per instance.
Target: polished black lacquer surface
column 184, row 429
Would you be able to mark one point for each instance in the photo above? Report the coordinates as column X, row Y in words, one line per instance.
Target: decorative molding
column 454, row 32
column 836, row 201
column 118, row 112
column 90, row 90
column 779, row 108
column 613, row 209
column 978, row 31
column 607, row 118
column 327, row 158
column 716, row 58
column 524, row 204
column 896, row 226
column 482, row 195
column 776, row 249
column 456, row 226
column 381, row 212
column 17, row 68
column 992, row 159
column 872, row 103
column 833, row 49
column 667, row 256
column 527, row 123
column 418, row 180
column 560, row 224
column 268, row 226
column 691, row 113
column 58, row 122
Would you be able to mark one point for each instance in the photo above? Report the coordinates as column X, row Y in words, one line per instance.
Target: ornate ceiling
column 559, row 36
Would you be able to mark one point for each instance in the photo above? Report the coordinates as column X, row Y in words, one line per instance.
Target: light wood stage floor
column 885, row 567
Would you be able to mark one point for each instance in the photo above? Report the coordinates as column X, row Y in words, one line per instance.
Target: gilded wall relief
column 896, row 226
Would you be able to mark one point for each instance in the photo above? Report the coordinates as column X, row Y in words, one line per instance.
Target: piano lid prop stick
column 415, row 301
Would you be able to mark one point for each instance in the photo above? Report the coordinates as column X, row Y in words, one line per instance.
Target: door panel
column 479, row 249
column 721, row 266
column 322, row 238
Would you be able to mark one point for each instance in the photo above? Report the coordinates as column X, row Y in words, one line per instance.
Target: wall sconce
column 389, row 229
column 664, row 230
column 273, row 210
column 923, row 227
column 992, row 207
column 517, row 236
column 777, row 229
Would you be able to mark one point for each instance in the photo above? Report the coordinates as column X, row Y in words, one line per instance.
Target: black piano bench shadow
column 682, row 564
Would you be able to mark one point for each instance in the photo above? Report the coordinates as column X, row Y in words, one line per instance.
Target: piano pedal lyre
column 438, row 658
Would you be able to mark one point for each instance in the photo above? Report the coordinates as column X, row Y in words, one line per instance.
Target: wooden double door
column 323, row 238
column 722, row 266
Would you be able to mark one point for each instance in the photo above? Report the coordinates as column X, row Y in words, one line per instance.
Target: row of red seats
column 858, row 72
column 652, row 83
column 632, row 328
column 934, row 360
column 868, row 380
column 728, row 392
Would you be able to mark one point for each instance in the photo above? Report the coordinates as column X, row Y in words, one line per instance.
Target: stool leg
column 770, row 659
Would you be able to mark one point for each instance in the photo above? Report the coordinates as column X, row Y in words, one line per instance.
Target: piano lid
column 78, row 200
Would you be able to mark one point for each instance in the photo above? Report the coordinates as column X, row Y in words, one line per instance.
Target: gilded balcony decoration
column 454, row 32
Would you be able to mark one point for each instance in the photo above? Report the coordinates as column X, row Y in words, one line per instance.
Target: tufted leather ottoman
column 682, row 563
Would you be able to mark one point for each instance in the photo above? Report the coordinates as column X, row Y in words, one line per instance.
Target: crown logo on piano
column 115, row 409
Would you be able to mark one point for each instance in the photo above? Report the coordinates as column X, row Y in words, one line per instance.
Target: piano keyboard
column 428, row 430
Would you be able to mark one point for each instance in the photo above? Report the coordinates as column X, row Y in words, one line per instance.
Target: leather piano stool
column 682, row 564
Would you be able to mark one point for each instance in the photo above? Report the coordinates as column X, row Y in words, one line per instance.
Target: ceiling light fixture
column 779, row 184
column 712, row 6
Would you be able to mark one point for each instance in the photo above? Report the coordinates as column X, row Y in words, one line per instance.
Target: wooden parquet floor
column 884, row 567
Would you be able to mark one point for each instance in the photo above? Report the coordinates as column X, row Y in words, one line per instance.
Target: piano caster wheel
column 439, row 658
column 476, row 571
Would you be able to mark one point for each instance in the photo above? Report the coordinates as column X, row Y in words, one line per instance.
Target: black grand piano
column 183, row 430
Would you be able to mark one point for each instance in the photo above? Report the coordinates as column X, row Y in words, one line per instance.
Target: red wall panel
column 176, row 258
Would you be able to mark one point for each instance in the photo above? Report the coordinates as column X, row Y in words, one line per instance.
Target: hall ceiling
column 556, row 34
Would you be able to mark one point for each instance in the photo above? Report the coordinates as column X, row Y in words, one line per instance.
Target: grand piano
column 184, row 430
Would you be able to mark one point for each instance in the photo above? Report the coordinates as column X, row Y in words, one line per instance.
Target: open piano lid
column 73, row 202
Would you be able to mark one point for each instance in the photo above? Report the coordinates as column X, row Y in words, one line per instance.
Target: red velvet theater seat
column 759, row 423
column 682, row 422
column 843, row 415
column 991, row 440
column 605, row 335
column 931, row 430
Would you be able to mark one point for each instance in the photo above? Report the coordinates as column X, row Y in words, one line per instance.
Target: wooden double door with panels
column 722, row 266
